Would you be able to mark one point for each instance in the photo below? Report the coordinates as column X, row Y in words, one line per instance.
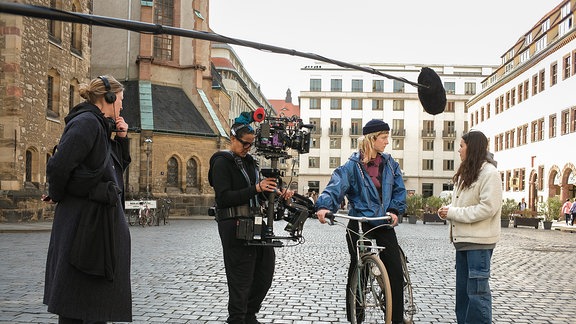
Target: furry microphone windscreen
column 433, row 98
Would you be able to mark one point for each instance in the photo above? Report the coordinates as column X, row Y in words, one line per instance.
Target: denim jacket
column 352, row 180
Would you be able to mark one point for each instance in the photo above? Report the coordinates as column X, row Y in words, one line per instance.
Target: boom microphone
column 259, row 115
column 433, row 95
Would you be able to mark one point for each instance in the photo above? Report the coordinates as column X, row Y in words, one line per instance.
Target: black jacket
column 230, row 185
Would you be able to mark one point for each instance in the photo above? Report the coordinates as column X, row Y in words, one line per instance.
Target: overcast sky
column 371, row 31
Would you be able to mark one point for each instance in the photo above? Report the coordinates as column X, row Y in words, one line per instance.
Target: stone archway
column 568, row 190
column 554, row 184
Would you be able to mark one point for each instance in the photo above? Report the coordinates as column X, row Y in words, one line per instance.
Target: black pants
column 390, row 256
column 249, row 272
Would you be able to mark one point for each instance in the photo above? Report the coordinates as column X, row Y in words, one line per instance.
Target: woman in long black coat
column 84, row 282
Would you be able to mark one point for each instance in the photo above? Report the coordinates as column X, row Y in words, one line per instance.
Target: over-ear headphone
column 109, row 96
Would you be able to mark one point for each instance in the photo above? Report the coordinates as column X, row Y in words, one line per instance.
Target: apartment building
column 340, row 101
column 528, row 111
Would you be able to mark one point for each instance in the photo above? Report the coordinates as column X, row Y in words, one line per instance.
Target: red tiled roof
column 221, row 62
column 282, row 107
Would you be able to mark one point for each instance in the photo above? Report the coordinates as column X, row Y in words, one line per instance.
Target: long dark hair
column 476, row 155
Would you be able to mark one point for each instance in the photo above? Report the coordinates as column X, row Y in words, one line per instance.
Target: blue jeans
column 473, row 296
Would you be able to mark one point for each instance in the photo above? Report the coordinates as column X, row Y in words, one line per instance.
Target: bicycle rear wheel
column 370, row 298
column 409, row 307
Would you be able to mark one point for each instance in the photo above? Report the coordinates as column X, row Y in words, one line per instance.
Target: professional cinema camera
column 274, row 136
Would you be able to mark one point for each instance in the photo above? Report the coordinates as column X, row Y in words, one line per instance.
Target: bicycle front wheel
column 370, row 298
column 409, row 307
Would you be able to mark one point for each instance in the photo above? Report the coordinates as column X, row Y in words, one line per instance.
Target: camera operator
column 372, row 182
column 234, row 175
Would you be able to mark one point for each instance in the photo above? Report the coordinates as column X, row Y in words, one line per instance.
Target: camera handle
column 271, row 198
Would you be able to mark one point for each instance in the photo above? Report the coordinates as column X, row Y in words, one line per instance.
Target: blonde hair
column 366, row 145
column 96, row 89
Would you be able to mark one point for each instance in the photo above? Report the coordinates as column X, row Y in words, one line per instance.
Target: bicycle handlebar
column 362, row 219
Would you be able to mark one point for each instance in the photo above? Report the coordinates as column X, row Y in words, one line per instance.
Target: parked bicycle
column 370, row 298
column 144, row 215
column 164, row 211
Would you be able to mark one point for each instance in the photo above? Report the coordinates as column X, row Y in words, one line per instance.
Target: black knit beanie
column 373, row 126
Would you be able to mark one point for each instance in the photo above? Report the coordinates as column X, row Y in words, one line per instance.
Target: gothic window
column 191, row 174
column 163, row 15
column 172, row 173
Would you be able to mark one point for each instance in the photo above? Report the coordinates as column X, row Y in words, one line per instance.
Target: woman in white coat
column 475, row 227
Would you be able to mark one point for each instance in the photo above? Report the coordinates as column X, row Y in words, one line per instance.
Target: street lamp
column 148, row 141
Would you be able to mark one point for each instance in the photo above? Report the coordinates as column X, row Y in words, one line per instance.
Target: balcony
column 335, row 131
column 399, row 132
column 449, row 134
column 316, row 131
column 355, row 131
column 428, row 133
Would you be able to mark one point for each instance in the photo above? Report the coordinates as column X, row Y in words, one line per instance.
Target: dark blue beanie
column 373, row 126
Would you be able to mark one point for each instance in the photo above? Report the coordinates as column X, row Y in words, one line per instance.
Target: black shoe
column 251, row 319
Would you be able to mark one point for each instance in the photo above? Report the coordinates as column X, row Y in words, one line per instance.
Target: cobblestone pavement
column 178, row 275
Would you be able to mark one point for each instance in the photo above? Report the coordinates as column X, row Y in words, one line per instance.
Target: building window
column 526, row 89
column 336, row 85
column 535, row 84
column 335, row 126
column 55, row 27
column 76, row 33
column 553, row 73
column 357, row 86
column 448, row 165
column 533, row 131
column 28, row 166
column 398, row 105
column 356, row 127
column 552, row 126
column 488, row 110
column 427, row 190
column 163, row 15
column 334, row 162
column 520, row 92
column 314, row 103
column 354, row 143
column 314, row 142
column 542, row 79
column 172, row 173
column 356, row 104
column 565, row 122
column 427, row 164
column 450, row 87
column 315, row 85
column 71, row 95
column 335, row 103
column 470, row 88
column 448, row 145
column 428, row 145
column 450, row 106
column 192, row 174
column 377, row 104
column 566, row 67
column 512, row 97
column 397, row 143
column 53, row 94
column 398, row 86
column 378, row 86
column 313, row 162
column 335, row 142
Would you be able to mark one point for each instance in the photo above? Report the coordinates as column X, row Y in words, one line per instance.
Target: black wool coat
column 69, row 292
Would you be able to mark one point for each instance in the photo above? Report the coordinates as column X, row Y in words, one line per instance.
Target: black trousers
column 66, row 320
column 249, row 272
column 390, row 256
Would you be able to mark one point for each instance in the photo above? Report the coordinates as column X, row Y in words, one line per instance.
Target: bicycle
column 142, row 216
column 371, row 278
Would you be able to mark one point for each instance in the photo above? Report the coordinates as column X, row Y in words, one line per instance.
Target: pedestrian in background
column 573, row 212
column 566, row 210
column 372, row 182
column 88, row 263
column 239, row 190
column 474, row 215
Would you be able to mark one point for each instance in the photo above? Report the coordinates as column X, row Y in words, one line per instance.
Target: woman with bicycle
column 474, row 215
column 372, row 182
